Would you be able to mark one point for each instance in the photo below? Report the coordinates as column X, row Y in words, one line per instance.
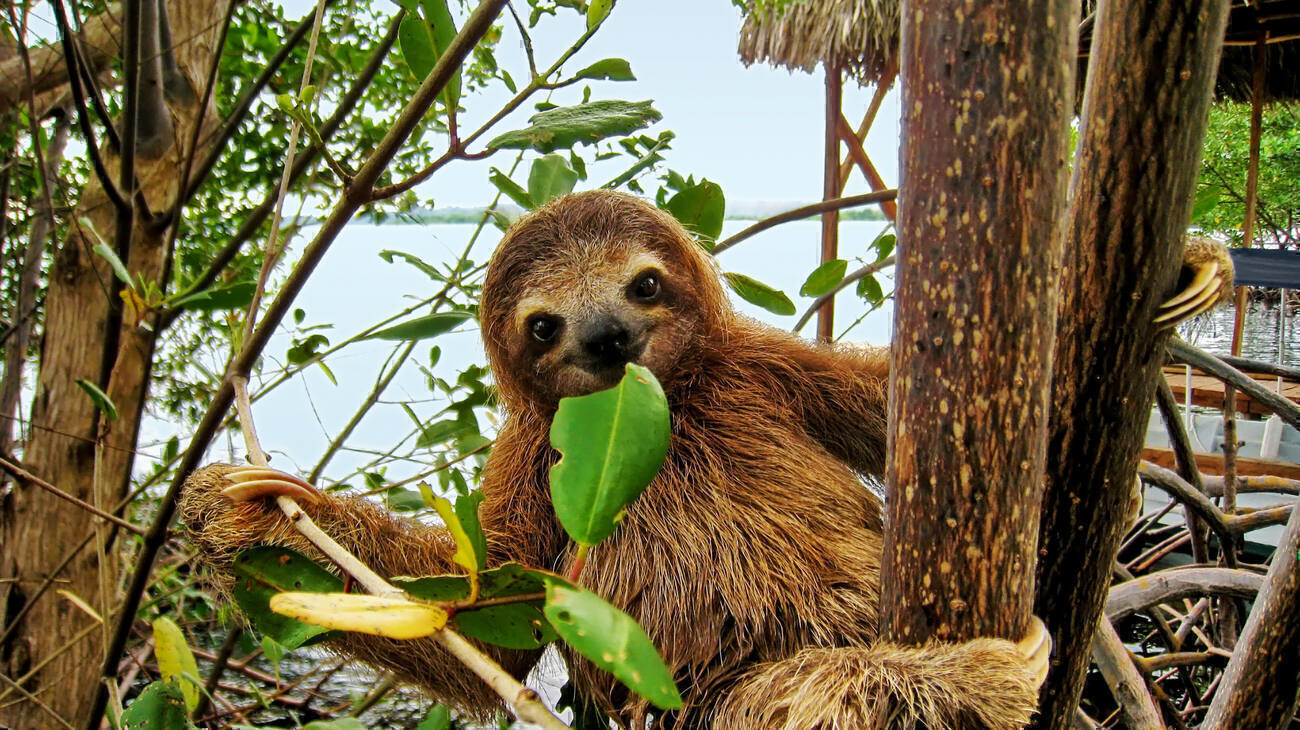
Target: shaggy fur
column 753, row 559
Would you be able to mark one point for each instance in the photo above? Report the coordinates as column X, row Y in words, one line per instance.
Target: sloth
column 752, row 560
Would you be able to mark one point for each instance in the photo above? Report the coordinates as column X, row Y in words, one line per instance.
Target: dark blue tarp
column 1266, row 267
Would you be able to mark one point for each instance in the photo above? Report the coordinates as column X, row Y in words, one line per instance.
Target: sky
column 756, row 131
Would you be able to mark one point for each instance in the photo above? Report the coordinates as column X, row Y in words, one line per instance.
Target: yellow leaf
column 464, row 556
column 395, row 618
column 175, row 660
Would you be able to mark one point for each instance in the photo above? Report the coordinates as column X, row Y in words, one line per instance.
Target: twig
column 849, row 279
column 27, row 476
column 271, row 254
column 1170, row 585
column 804, row 212
column 1126, row 684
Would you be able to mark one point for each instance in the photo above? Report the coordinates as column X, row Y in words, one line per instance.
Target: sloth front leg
column 983, row 683
column 225, row 516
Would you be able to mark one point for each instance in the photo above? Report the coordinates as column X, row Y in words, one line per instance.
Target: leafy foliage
column 1222, row 188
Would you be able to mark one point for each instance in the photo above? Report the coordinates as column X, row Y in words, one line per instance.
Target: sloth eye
column 543, row 328
column 646, row 287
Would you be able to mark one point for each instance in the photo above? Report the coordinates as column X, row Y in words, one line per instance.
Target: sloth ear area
column 1204, row 282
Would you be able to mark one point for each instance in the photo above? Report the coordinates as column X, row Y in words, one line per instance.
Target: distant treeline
column 474, row 215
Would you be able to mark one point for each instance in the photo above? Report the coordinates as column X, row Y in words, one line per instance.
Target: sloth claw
column 259, row 482
column 1036, row 648
column 1198, row 296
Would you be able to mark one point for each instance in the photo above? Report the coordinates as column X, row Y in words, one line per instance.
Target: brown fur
column 753, row 559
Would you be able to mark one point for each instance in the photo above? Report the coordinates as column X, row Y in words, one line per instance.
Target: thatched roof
column 1279, row 23
column 859, row 36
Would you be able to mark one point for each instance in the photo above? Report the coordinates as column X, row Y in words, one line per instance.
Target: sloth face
column 582, row 317
column 588, row 283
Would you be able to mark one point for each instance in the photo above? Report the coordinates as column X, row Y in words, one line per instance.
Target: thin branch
column 1164, row 586
column 851, row 201
column 83, row 116
column 254, row 219
column 381, row 384
column 861, row 273
column 31, row 478
column 1126, row 684
column 240, row 111
column 456, row 149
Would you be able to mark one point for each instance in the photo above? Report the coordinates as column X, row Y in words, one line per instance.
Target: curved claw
column 259, row 482
column 1036, row 648
column 1197, row 297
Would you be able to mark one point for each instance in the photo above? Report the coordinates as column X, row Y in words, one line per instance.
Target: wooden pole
column 859, row 156
column 979, row 256
column 830, row 189
column 1252, row 177
column 1149, row 84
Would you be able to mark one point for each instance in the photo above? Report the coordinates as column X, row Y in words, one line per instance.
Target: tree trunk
column 87, row 336
column 985, row 124
column 1148, row 93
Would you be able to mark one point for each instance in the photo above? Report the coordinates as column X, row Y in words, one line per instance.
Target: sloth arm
column 983, row 683
column 839, row 392
column 390, row 545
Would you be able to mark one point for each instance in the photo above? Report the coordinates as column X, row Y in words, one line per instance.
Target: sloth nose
column 607, row 343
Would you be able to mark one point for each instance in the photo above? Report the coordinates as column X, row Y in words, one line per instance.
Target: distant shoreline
column 425, row 216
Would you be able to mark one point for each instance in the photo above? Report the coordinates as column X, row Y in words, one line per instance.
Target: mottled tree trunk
column 986, row 100
column 87, row 335
column 1148, row 92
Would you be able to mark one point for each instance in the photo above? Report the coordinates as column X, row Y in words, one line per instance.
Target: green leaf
column 467, row 512
column 443, row 29
column 119, row 269
column 102, row 402
column 597, row 11
column 612, row 641
column 405, row 500
column 273, row 650
column 439, row 432
column 1207, row 199
column 884, row 245
column 437, row 718
column 700, row 208
column 512, row 190
column 161, row 706
column 549, row 178
column 429, row 271
column 869, row 289
column 175, row 660
column 566, row 126
column 218, row 298
column 612, row 444
column 421, row 328
column 756, row 292
column 261, row 573
column 510, row 625
column 613, row 69
column 824, row 278
column 416, row 42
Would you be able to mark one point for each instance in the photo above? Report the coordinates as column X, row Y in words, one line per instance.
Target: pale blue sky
column 756, row 131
